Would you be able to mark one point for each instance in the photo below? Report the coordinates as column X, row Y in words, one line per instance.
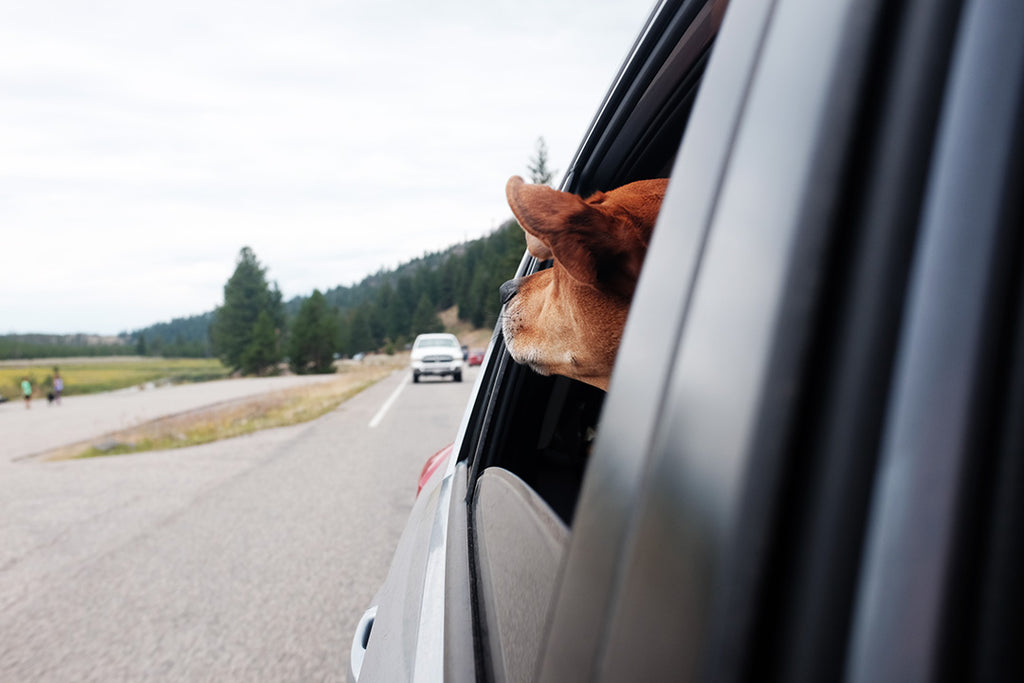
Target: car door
column 759, row 499
column 816, row 483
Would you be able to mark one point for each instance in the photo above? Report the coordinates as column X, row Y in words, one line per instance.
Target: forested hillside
column 387, row 309
column 393, row 307
column 383, row 312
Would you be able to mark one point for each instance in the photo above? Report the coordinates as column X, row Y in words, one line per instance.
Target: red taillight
column 431, row 466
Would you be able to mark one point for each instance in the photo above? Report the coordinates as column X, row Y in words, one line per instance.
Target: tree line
column 253, row 330
column 19, row 346
column 383, row 312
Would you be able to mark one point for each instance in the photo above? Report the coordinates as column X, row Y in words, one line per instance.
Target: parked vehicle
column 436, row 354
column 808, row 466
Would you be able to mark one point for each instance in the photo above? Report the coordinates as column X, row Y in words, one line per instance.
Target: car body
column 437, row 354
column 476, row 357
column 808, row 463
column 432, row 465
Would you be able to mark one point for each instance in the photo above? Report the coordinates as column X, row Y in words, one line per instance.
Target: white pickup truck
column 436, row 354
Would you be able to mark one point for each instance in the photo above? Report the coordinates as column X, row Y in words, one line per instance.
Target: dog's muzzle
column 509, row 290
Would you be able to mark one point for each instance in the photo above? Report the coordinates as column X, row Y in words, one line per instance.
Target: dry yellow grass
column 235, row 418
column 94, row 375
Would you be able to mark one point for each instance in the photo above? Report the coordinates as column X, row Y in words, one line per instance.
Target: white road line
column 387, row 404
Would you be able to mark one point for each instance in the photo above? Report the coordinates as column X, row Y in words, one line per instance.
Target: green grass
column 107, row 374
column 244, row 416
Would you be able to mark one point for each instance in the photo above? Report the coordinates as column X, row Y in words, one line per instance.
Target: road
column 244, row 560
column 24, row 433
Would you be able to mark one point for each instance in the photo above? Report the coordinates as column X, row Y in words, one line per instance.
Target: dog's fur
column 568, row 319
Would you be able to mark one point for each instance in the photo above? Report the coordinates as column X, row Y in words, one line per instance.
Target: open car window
column 539, row 428
column 529, row 454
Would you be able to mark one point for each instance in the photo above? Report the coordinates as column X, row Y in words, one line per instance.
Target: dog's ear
column 537, row 249
column 557, row 224
column 589, row 240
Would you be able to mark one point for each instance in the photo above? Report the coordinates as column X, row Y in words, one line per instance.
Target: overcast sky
column 143, row 144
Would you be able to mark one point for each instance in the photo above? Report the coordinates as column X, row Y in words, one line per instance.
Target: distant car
column 808, row 464
column 476, row 357
column 436, row 354
column 465, row 352
column 359, row 357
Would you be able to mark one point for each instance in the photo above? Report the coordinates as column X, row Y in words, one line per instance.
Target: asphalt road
column 245, row 560
column 24, row 433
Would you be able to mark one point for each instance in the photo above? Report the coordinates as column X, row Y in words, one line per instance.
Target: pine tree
column 479, row 293
column 360, row 334
column 424, row 318
column 314, row 337
column 263, row 352
column 404, row 310
column 538, row 165
column 246, row 296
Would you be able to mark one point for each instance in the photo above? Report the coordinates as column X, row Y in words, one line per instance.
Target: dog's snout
column 508, row 290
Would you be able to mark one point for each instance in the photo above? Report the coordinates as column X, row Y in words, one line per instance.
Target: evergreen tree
column 479, row 295
column 424, row 318
column 380, row 314
column 446, row 283
column 246, row 296
column 538, row 165
column 360, row 334
column 314, row 337
column 425, row 281
column 263, row 352
column 404, row 308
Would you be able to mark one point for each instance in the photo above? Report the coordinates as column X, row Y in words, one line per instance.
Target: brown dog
column 568, row 319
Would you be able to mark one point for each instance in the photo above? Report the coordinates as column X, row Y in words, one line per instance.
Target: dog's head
column 568, row 319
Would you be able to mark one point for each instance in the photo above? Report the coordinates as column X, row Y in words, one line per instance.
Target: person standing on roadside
column 58, row 385
column 26, row 388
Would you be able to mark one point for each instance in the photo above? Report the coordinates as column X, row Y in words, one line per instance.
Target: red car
column 476, row 357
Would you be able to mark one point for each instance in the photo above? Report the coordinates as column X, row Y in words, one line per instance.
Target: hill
column 383, row 311
column 380, row 312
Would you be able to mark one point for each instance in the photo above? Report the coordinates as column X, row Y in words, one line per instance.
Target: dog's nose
column 508, row 290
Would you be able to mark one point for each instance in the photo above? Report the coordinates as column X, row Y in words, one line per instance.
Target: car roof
column 436, row 335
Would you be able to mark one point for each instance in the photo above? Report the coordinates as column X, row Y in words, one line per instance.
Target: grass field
column 244, row 416
column 90, row 376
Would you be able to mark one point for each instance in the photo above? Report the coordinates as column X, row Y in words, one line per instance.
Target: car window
column 533, row 438
column 542, row 428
